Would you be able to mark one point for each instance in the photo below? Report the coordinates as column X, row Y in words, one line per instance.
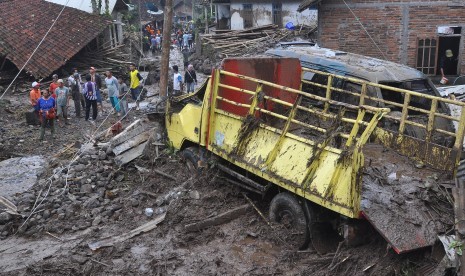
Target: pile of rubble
column 87, row 189
column 247, row 41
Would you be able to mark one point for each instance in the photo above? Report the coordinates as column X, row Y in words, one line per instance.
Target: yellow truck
column 324, row 161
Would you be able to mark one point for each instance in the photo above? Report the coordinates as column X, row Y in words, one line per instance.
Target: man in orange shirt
column 53, row 86
column 34, row 95
column 32, row 118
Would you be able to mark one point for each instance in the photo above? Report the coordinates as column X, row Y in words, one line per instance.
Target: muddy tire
column 192, row 160
column 287, row 210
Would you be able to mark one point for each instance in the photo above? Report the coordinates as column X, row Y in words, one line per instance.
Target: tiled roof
column 306, row 3
column 23, row 23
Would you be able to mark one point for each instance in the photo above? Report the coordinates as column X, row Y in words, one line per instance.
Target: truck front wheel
column 190, row 156
column 286, row 210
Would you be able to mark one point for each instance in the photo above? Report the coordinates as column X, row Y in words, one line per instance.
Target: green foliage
column 408, row 269
column 170, row 149
column 457, row 246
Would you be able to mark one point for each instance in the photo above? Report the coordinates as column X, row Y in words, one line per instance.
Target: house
column 24, row 24
column 151, row 11
column 90, row 6
column 113, row 35
column 182, row 9
column 240, row 14
column 415, row 33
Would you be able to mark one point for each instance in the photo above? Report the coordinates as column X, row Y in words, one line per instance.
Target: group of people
column 153, row 37
column 185, row 39
column 52, row 104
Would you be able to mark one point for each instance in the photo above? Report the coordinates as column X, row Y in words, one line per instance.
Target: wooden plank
column 121, row 137
column 219, row 219
column 131, row 143
column 130, row 155
column 112, row 240
column 130, row 135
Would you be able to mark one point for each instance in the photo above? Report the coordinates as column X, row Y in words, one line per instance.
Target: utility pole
column 193, row 8
column 206, row 19
column 165, row 55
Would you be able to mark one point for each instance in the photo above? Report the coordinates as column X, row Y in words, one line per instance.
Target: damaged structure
column 25, row 24
column 238, row 15
column 413, row 33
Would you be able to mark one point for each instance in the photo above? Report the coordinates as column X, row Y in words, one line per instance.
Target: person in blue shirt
column 46, row 105
column 185, row 41
column 153, row 44
column 90, row 95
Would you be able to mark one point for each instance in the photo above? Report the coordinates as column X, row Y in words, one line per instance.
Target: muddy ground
column 102, row 200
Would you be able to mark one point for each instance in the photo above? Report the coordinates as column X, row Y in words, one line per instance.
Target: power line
column 363, row 27
column 74, row 158
column 35, row 50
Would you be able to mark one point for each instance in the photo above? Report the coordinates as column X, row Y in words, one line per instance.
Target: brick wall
column 393, row 25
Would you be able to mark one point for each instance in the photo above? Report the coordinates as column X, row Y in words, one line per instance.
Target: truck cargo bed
column 407, row 204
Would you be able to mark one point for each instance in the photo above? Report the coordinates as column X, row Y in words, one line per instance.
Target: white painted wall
column 263, row 14
column 223, row 11
column 307, row 17
column 84, row 5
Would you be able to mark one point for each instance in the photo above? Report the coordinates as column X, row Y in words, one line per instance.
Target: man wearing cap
column 134, row 86
column 448, row 64
column 62, row 102
column 34, row 95
column 53, row 86
column 95, row 78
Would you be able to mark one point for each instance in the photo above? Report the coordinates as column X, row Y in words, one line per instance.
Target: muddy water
column 19, row 174
column 18, row 252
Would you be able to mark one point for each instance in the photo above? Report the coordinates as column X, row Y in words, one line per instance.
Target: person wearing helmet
column 34, row 95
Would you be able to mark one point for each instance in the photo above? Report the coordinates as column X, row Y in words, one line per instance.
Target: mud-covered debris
column 9, row 206
column 219, row 219
column 110, row 241
column 5, row 217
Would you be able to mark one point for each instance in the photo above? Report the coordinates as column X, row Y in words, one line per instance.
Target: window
column 426, row 55
column 277, row 14
column 247, row 15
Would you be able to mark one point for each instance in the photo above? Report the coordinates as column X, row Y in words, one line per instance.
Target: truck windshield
column 422, row 86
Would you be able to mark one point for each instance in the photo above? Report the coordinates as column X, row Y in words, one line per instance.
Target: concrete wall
column 395, row 26
column 262, row 11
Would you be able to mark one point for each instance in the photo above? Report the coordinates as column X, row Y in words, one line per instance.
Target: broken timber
column 130, row 143
column 219, row 219
column 130, row 154
column 110, row 241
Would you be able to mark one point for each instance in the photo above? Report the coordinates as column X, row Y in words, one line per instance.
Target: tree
column 165, row 55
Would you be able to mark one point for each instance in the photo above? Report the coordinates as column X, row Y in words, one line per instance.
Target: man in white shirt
column 177, row 81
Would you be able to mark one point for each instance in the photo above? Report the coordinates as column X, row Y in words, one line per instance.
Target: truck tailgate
column 407, row 205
